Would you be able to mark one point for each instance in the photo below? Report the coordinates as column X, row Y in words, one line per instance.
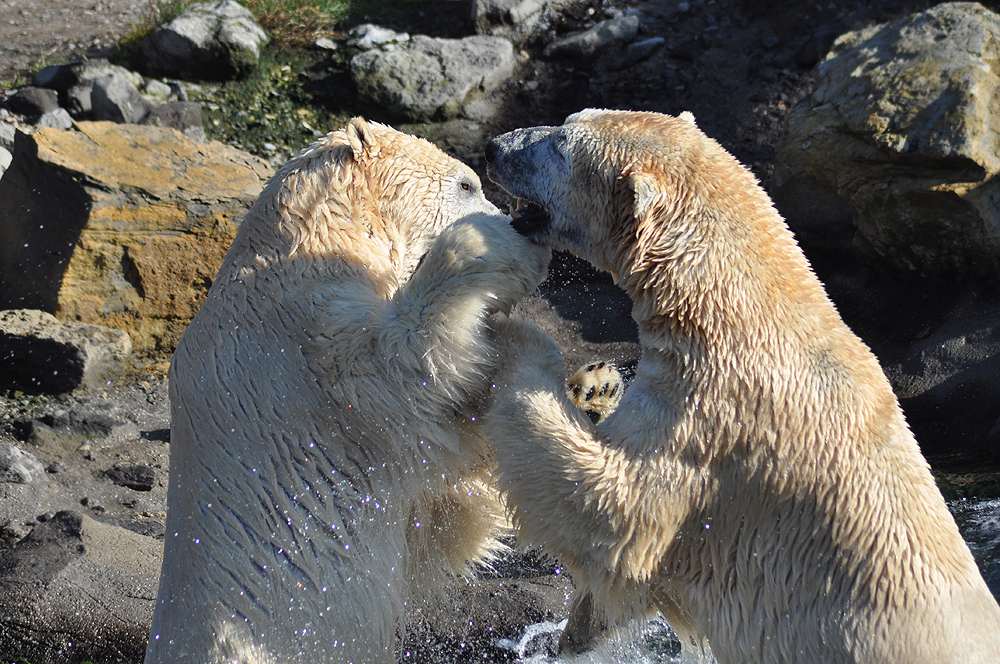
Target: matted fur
column 757, row 484
column 325, row 460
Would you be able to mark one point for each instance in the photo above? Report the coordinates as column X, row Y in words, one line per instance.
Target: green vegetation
column 296, row 92
column 277, row 110
column 291, row 23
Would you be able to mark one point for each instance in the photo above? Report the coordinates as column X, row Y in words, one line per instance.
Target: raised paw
column 596, row 389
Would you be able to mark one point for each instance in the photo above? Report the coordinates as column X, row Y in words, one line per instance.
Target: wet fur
column 757, row 484
column 326, row 465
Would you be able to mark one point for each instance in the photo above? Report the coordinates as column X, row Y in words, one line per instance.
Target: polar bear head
column 366, row 197
column 591, row 185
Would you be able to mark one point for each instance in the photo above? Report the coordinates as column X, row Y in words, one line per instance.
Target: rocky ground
column 738, row 65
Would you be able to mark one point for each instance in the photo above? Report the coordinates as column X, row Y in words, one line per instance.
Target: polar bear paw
column 596, row 389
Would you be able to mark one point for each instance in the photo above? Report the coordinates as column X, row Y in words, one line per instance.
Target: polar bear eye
column 466, row 186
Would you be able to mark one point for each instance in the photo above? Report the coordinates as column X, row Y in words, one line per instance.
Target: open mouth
column 529, row 217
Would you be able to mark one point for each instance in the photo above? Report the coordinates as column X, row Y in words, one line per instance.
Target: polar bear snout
column 522, row 163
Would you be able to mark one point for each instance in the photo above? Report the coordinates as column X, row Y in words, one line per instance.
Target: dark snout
column 510, row 157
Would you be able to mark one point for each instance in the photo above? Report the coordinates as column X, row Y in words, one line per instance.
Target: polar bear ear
column 646, row 190
column 362, row 138
column 688, row 116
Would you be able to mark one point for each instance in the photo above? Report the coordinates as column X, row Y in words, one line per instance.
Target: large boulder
column 208, row 40
column 75, row 590
column 426, row 78
column 899, row 142
column 120, row 225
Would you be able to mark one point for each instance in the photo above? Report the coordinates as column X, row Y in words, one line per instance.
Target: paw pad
column 596, row 389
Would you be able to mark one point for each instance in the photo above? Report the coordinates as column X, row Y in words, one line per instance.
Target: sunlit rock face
column 899, row 139
column 120, row 225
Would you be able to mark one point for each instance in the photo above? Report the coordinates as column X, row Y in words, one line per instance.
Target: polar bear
column 326, row 460
column 757, row 483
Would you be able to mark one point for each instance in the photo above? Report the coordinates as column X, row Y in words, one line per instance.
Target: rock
column 18, row 466
column 32, row 102
column 7, row 132
column 157, row 92
column 6, row 143
column 948, row 382
column 137, row 477
column 367, row 36
column 76, row 589
column 515, row 20
column 635, row 53
column 82, row 422
column 472, row 617
column 208, row 40
column 120, row 225
column 184, row 116
column 608, row 34
column 899, row 142
column 114, row 98
column 39, row 353
column 325, row 44
column 74, row 82
column 426, row 78
column 57, row 119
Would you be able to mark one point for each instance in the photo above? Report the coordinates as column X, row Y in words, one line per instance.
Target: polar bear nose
column 491, row 150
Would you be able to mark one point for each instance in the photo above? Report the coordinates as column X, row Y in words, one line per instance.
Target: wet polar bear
column 325, row 460
column 757, row 483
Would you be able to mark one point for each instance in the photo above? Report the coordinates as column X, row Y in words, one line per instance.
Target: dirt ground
column 39, row 32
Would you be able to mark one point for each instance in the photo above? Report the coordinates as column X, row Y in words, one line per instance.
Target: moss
column 271, row 113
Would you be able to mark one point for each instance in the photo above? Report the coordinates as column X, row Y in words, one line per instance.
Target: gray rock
column 74, row 82
column 184, row 116
column 32, row 102
column 5, row 159
column 57, row 119
column 76, row 589
column 157, row 92
column 18, row 466
column 7, row 132
column 427, row 78
column 209, row 40
column 608, row 34
column 137, row 477
column 899, row 142
column 469, row 618
column 116, row 99
column 367, row 36
column 515, row 20
column 39, row 353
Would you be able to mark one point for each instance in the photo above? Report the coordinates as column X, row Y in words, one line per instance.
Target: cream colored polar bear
column 326, row 464
column 757, row 484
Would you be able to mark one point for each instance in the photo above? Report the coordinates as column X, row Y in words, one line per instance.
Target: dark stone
column 184, row 116
column 137, row 477
column 32, row 102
